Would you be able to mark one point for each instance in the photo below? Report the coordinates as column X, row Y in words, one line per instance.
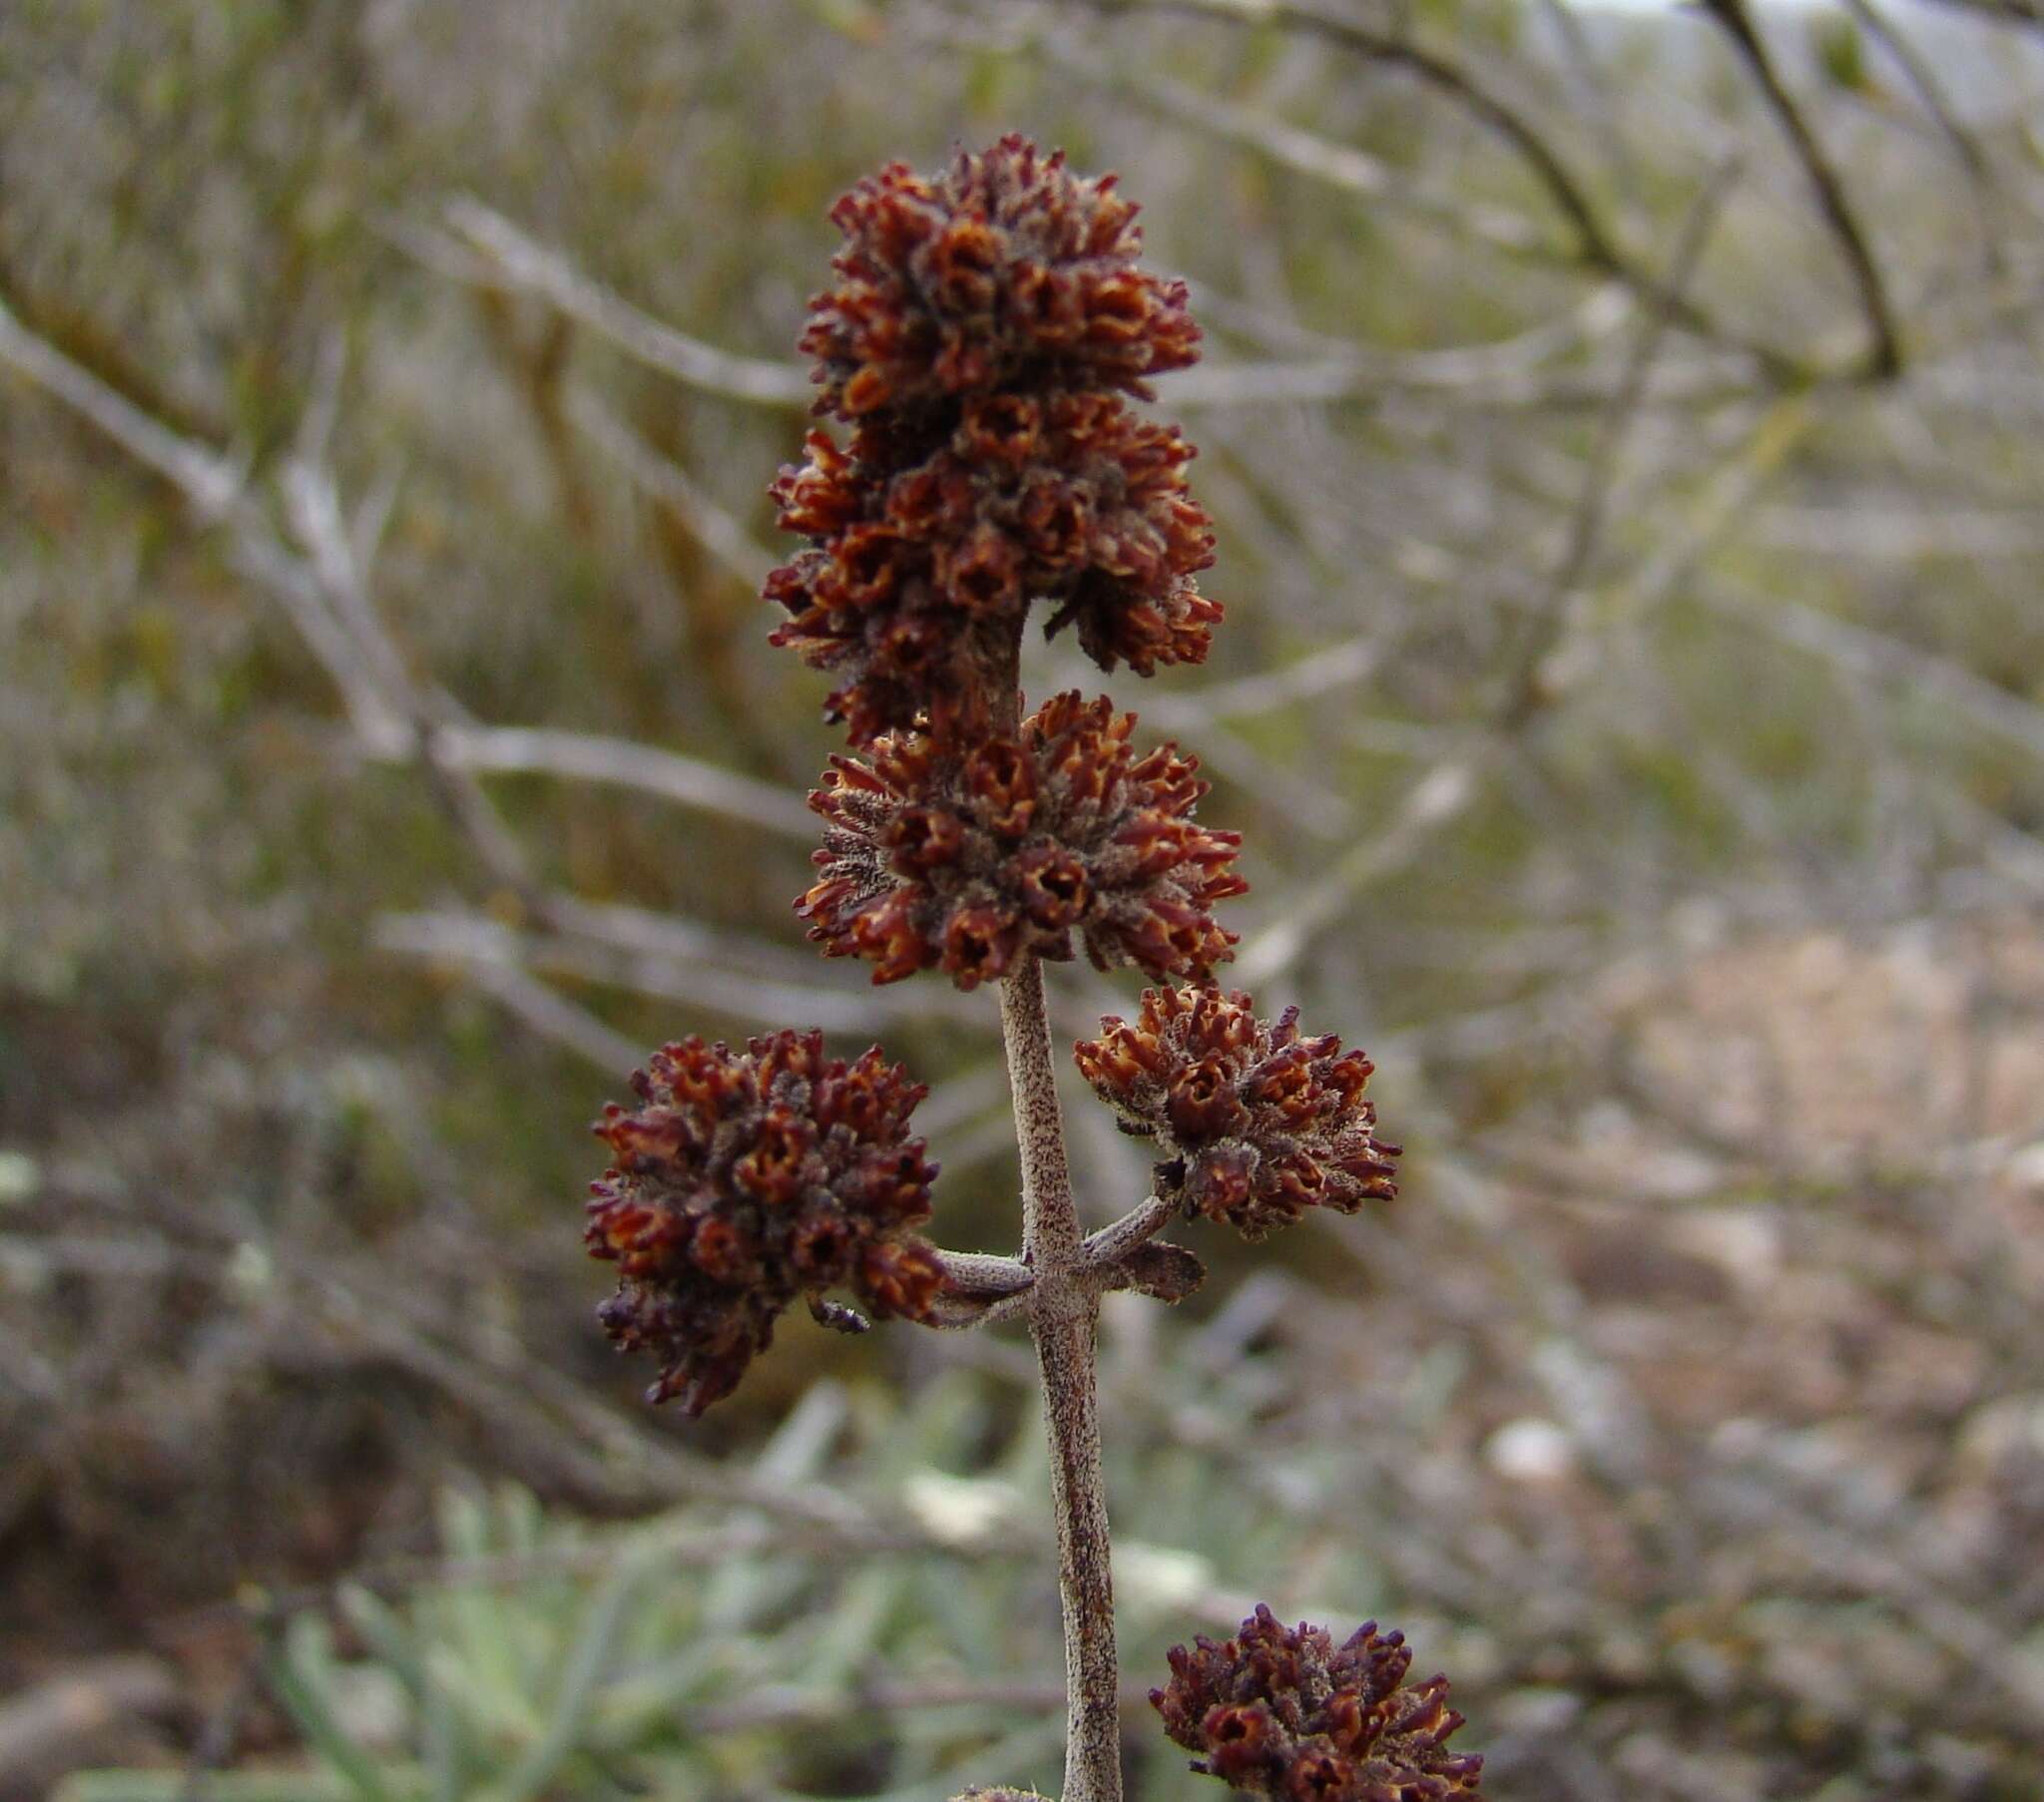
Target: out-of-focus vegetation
column 1636, row 689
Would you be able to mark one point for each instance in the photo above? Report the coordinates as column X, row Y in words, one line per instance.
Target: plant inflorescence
column 980, row 351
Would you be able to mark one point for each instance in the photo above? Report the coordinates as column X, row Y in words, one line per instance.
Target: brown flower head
column 985, row 331
column 961, row 860
column 1005, row 270
column 743, row 1180
column 1258, row 1124
column 926, row 549
column 1285, row 1713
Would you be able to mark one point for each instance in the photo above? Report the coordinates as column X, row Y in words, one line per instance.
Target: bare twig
column 1337, row 665
column 1594, row 245
column 523, row 264
column 594, row 757
column 789, row 1707
column 1433, row 802
column 663, row 479
column 552, row 1015
column 1904, row 527
column 1864, row 651
column 1923, row 80
column 211, row 483
column 477, row 942
column 1292, row 147
column 1586, row 523
column 419, row 717
column 1885, row 352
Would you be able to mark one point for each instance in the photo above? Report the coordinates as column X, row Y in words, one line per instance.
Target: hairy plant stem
column 1064, row 1317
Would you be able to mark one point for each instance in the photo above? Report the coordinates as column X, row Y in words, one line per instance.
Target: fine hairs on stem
column 979, row 353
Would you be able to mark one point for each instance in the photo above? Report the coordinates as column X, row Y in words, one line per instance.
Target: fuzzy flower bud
column 961, row 860
column 1006, row 269
column 1285, row 1713
column 1258, row 1124
column 744, row 1180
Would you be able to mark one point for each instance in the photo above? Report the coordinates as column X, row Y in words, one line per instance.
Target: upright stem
column 1064, row 1316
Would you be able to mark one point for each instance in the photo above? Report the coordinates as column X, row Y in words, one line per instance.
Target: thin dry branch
column 419, row 716
column 1294, row 148
column 1440, row 797
column 210, row 482
column 1524, row 692
column 1864, row 653
column 526, row 266
column 1885, row 352
column 318, row 583
column 1595, row 247
column 664, row 480
column 1929, row 90
column 617, row 763
column 546, row 1011
column 1432, row 805
column 1341, row 665
column 478, row 943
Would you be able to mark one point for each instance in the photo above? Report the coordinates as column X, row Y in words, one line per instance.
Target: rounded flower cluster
column 1258, row 1124
column 1285, row 1713
column 920, row 569
column 964, row 861
column 744, row 1180
column 978, row 342
column 1007, row 269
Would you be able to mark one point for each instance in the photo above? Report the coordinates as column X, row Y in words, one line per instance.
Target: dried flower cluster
column 1005, row 270
column 1284, row 1713
column 983, row 331
column 978, row 353
column 964, row 863
column 1257, row 1122
column 746, row 1178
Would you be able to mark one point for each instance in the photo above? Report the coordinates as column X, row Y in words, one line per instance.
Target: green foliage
column 692, row 1655
column 544, row 1657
